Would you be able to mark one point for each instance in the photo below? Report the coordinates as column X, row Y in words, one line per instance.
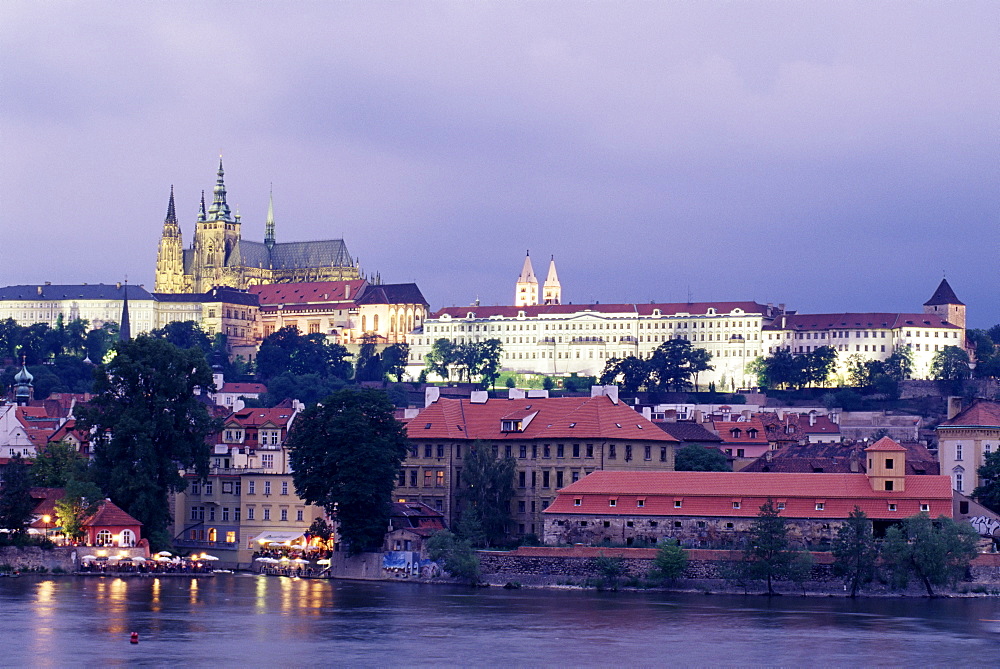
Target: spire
column 943, row 295
column 552, row 289
column 171, row 214
column 201, row 211
column 526, row 290
column 527, row 272
column 23, row 386
column 219, row 209
column 269, row 224
column 125, row 329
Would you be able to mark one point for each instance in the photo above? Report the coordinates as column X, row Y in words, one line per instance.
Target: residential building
column 965, row 439
column 554, row 441
column 718, row 508
column 219, row 256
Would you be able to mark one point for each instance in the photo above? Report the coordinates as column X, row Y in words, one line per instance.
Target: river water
column 259, row 621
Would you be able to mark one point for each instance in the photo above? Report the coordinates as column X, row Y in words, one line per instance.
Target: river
column 257, row 621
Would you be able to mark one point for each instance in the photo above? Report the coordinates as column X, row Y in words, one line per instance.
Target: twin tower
column 526, row 292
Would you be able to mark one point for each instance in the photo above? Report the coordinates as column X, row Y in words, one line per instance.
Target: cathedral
column 218, row 256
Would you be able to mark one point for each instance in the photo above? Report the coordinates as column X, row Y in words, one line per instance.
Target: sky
column 832, row 156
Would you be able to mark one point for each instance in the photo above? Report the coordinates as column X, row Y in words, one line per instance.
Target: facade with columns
column 219, row 256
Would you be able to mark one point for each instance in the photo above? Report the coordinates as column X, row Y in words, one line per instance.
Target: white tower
column 551, row 289
column 526, row 292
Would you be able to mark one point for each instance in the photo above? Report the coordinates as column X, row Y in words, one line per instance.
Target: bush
column 670, row 562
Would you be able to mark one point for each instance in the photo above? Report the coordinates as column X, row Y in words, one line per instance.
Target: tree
column 345, row 454
column 456, row 555
column 695, row 458
column 185, row 334
column 488, row 487
column 322, row 529
column 441, row 357
column 855, row 552
column 767, row 553
column 950, row 366
column 80, row 500
column 148, row 424
column 670, row 561
column 307, row 388
column 16, row 504
column 56, row 463
column 369, row 363
column 936, row 552
column 988, row 494
column 817, row 365
column 394, row 359
column 288, row 351
column 610, row 568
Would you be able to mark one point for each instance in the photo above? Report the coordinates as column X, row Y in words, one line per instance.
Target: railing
column 195, row 543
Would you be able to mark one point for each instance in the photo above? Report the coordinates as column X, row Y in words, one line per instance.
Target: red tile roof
column 844, row 321
column 982, row 413
column 258, row 388
column 637, row 309
column 551, row 418
column 821, row 425
column 251, row 418
column 886, row 444
column 714, row 494
column 110, row 515
column 301, row 293
column 725, row 430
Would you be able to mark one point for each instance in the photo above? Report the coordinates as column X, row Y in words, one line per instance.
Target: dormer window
column 752, row 433
column 736, row 432
column 510, row 425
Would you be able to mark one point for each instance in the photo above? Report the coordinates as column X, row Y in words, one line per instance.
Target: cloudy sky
column 832, row 156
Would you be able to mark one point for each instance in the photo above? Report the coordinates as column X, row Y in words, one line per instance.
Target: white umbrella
column 323, row 561
column 165, row 554
column 210, row 558
column 300, row 561
column 163, row 558
column 137, row 558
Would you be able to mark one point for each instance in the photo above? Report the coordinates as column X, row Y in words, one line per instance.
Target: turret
column 526, row 291
column 945, row 303
column 886, row 465
column 23, row 386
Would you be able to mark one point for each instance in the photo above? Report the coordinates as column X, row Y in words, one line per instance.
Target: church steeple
column 201, row 210
column 220, row 209
column 169, row 258
column 171, row 214
column 526, row 290
column 946, row 304
column 551, row 289
column 269, row 224
column 125, row 329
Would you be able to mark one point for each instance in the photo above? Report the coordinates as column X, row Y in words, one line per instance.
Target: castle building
column 219, row 256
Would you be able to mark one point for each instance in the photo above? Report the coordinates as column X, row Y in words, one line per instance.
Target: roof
column 308, row 292
column 821, row 425
column 86, row 291
column 631, row 309
column 982, row 413
column 110, row 515
column 251, row 388
column 685, row 430
column 714, row 493
column 251, row 418
column 943, row 295
column 726, row 430
column 886, row 444
column 392, row 293
column 848, row 321
column 837, row 458
column 550, row 418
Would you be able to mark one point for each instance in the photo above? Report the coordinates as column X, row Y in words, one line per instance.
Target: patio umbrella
column 210, row 558
column 300, row 561
column 87, row 558
column 323, row 561
column 165, row 554
column 137, row 558
column 163, row 558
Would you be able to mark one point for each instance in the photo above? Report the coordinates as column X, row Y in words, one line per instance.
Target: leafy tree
column 855, row 552
column 818, row 364
column 322, row 529
column 307, row 388
column 936, row 552
column 288, row 351
column 695, row 458
column 16, row 504
column 80, row 500
column 394, row 359
column 768, row 554
column 456, row 555
column 185, row 334
column 441, row 357
column 670, row 561
column 610, row 568
column 800, row 568
column 634, row 373
column 490, row 353
column 548, row 383
column 488, row 487
column 345, row 454
column 574, row 383
column 369, row 362
column 950, row 366
column 988, row 494
column 100, row 341
column 148, row 424
column 56, row 463
column 673, row 363
column 470, row 527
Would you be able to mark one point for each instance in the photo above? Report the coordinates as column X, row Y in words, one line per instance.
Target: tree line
column 673, row 366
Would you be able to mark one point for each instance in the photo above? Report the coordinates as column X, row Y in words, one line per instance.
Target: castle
column 218, row 256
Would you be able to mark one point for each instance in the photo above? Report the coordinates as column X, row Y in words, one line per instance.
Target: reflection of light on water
column 155, row 604
column 261, row 592
column 112, row 596
column 194, row 591
column 44, row 613
column 286, row 594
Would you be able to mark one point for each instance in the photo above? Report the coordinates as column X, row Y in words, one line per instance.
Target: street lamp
column 46, row 519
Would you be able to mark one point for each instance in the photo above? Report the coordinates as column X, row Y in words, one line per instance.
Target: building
column 964, row 441
column 410, row 525
column 838, row 458
column 555, row 442
column 717, row 508
column 874, row 336
column 111, row 526
column 219, row 256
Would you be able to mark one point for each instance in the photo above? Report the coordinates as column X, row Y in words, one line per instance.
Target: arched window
column 127, row 539
column 364, row 323
column 104, row 538
column 375, row 322
column 212, row 534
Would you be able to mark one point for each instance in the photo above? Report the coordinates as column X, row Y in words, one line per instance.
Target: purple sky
column 833, row 156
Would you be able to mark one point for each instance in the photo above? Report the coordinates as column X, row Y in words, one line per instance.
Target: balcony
column 218, row 545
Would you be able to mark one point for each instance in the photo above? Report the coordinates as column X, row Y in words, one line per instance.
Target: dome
column 24, row 376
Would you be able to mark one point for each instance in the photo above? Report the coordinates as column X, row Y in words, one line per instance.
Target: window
column 225, row 514
column 284, row 487
column 663, row 454
column 440, row 450
column 612, row 454
column 439, row 479
column 522, row 452
column 545, row 479
column 641, row 502
column 820, row 506
column 284, row 514
column 250, row 510
column 888, row 485
column 781, row 506
column 959, row 484
column 208, row 487
column 251, row 487
column 892, row 507
column 298, row 515
column 574, row 477
column 613, row 501
column 628, row 453
column 195, row 489
column 559, row 479
column 267, row 462
column 211, row 513
column 590, row 450
column 925, row 507
column 576, row 450
column 428, row 478
column 413, row 478
column 888, row 463
column 521, row 479
column 737, row 505
column 428, row 450
column 577, row 501
column 267, row 487
column 236, row 515
column 958, row 451
column 227, row 487
column 546, row 453
column 560, row 451
column 678, row 503
column 267, row 514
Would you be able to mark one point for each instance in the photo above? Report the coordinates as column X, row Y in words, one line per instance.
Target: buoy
column 134, row 638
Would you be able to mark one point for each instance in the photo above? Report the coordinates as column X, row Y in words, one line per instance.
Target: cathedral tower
column 216, row 234
column 170, row 257
column 526, row 291
column 551, row 289
column 945, row 303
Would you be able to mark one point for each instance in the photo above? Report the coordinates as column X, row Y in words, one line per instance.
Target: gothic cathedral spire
column 170, row 256
column 269, row 224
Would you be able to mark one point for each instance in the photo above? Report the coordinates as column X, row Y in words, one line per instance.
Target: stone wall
column 33, row 558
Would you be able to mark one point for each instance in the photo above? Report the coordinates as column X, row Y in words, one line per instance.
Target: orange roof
column 719, row 493
column 256, row 417
column 110, row 515
column 885, row 444
column 550, row 418
column 665, row 309
column 725, row 431
column 243, row 388
column 982, row 413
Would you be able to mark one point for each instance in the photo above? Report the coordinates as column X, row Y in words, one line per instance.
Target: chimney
column 696, row 415
column 515, row 394
column 409, row 414
column 431, row 395
column 647, row 413
column 39, row 290
column 954, row 407
column 347, row 291
column 812, row 418
column 478, row 397
column 118, row 285
column 537, row 393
